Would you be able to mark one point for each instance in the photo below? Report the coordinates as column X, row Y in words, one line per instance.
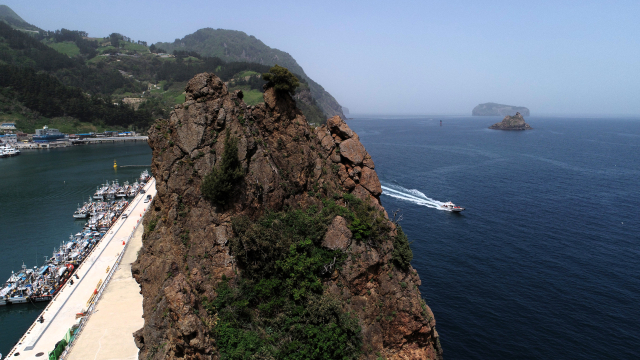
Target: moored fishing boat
column 41, row 284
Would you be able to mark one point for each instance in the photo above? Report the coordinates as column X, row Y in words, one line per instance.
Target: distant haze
column 411, row 57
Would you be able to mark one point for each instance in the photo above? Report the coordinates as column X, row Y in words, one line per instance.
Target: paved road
column 60, row 314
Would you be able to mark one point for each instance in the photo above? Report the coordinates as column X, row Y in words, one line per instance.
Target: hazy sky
column 410, row 57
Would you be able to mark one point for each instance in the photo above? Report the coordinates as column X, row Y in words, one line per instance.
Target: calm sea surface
column 545, row 261
column 39, row 191
column 543, row 264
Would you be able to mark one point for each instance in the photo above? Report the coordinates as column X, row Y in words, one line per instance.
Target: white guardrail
column 103, row 286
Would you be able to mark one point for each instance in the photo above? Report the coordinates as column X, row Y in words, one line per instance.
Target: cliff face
column 515, row 122
column 493, row 109
column 216, row 282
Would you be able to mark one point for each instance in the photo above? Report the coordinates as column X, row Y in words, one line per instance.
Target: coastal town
column 12, row 140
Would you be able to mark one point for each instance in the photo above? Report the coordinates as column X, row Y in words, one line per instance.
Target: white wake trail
column 411, row 195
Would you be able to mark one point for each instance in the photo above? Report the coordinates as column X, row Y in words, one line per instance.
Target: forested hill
column 232, row 45
column 38, row 84
column 68, row 80
column 10, row 17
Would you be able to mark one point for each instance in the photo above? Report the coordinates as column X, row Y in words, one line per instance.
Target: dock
column 94, row 277
column 74, row 142
column 107, row 334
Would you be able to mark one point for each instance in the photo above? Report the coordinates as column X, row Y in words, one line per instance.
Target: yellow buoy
column 115, row 166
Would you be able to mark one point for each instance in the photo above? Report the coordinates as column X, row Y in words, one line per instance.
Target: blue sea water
column 543, row 264
column 544, row 261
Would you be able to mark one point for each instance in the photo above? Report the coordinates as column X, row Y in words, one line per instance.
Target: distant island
column 493, row 109
column 515, row 122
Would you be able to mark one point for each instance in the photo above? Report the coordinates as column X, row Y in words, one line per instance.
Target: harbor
column 72, row 304
column 12, row 140
column 42, row 283
column 75, row 142
column 41, row 191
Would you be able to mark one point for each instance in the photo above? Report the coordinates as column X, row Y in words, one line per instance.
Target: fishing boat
column 449, row 206
column 42, row 283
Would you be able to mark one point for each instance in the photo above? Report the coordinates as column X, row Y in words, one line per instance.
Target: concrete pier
column 108, row 332
column 94, row 274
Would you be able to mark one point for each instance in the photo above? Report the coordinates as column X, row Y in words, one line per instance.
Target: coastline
column 88, row 141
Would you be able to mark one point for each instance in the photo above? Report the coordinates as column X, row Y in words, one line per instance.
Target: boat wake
column 411, row 195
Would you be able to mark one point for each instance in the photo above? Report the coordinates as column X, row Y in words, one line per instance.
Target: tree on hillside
column 281, row 79
column 152, row 48
column 115, row 40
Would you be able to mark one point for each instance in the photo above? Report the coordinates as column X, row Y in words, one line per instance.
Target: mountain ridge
column 116, row 69
column 12, row 18
column 235, row 45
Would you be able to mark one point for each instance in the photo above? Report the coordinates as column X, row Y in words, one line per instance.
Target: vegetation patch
column 67, row 47
column 281, row 79
column 402, row 254
column 221, row 183
column 277, row 309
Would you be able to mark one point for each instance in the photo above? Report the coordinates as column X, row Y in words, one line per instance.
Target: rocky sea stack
column 515, row 122
column 296, row 260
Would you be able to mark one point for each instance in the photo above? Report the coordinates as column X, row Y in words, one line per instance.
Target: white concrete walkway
column 108, row 332
column 60, row 314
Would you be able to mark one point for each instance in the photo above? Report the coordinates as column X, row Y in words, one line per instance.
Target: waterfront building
column 8, row 139
column 8, row 126
column 45, row 135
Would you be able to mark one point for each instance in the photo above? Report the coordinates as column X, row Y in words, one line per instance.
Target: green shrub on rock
column 281, row 79
column 220, row 184
column 402, row 254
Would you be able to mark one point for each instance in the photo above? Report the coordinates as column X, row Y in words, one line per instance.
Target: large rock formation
column 515, row 122
column 493, row 109
column 191, row 253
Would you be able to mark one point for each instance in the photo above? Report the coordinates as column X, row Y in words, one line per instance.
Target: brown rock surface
column 515, row 122
column 338, row 235
column 353, row 150
column 186, row 252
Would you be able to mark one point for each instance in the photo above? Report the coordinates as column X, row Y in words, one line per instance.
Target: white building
column 8, row 126
column 8, row 139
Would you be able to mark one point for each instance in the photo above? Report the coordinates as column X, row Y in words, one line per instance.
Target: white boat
column 7, row 151
column 144, row 176
column 449, row 206
column 99, row 194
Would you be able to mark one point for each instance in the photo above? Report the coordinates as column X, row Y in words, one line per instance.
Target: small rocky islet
column 515, row 122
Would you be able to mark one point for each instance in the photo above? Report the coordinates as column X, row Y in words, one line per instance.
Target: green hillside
column 231, row 45
column 10, row 17
column 63, row 77
column 6, row 12
column 67, row 78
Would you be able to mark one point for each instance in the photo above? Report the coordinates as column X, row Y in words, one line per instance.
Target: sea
column 544, row 263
